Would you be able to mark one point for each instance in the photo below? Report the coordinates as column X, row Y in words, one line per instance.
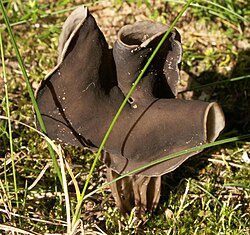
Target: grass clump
column 209, row 194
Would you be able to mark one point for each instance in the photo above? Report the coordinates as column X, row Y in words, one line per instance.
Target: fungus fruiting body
column 80, row 96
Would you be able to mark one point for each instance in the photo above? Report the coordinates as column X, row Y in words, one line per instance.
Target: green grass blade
column 51, row 14
column 66, row 192
column 55, row 148
column 208, row 193
column 77, row 212
column 201, row 147
column 228, row 11
column 217, row 8
column 21, row 64
column 217, row 83
column 9, row 122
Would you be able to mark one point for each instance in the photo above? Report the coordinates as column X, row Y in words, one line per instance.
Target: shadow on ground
column 235, row 102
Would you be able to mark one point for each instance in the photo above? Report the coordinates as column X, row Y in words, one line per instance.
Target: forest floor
column 208, row 194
